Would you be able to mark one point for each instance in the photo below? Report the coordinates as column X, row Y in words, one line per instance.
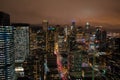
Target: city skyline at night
column 58, row 51
column 104, row 12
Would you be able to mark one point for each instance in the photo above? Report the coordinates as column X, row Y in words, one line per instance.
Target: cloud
column 63, row 11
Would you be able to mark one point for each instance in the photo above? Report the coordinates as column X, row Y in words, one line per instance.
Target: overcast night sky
column 97, row 12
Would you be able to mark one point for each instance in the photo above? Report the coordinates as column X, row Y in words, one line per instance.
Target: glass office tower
column 6, row 53
column 21, row 42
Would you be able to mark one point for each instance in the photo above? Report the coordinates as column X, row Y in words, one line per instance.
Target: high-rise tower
column 87, row 27
column 4, row 19
column 6, row 53
column 21, row 41
column 101, row 36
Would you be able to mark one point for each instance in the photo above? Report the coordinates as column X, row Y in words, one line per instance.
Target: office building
column 101, row 37
column 4, row 19
column 7, row 53
column 21, row 41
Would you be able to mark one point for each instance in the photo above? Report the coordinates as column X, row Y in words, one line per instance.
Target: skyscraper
column 4, row 19
column 6, row 53
column 21, row 41
column 45, row 24
column 87, row 27
column 101, row 36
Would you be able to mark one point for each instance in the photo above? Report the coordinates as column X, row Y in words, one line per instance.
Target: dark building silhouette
column 101, row 36
column 4, row 19
column 117, row 45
